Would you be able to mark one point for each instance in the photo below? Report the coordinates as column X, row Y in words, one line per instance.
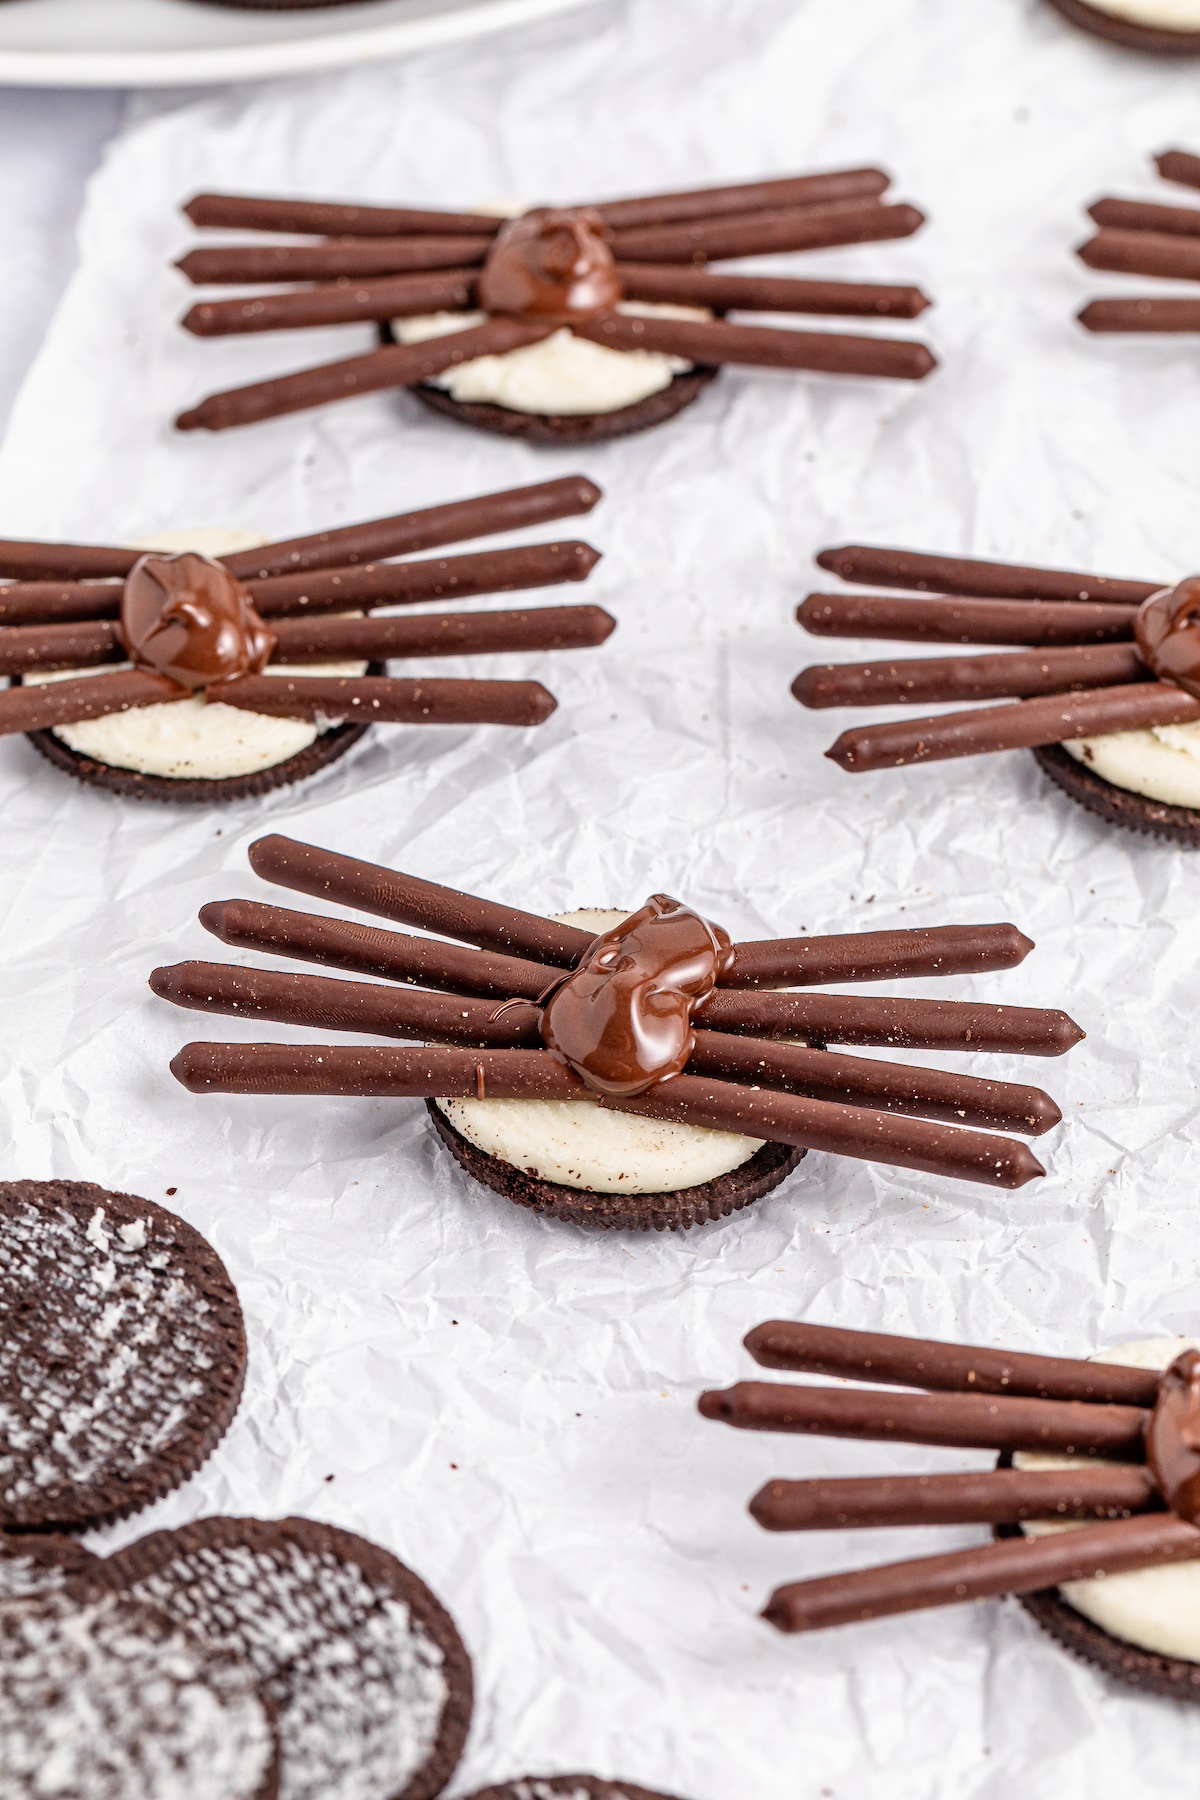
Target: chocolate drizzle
column 1173, row 1437
column 622, row 1020
column 1166, row 630
column 189, row 619
column 552, row 263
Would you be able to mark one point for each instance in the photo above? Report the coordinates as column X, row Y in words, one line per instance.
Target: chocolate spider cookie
column 122, row 1358
column 369, row 1677
column 103, row 1698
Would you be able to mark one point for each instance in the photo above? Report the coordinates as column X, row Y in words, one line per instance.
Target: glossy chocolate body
column 189, row 619
column 623, row 1019
column 1173, row 1437
column 553, row 264
column 1167, row 632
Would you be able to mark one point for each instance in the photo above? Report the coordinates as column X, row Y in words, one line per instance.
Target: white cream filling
column 193, row 739
column 1167, row 15
column 1155, row 1609
column 580, row 1145
column 563, row 374
column 1162, row 763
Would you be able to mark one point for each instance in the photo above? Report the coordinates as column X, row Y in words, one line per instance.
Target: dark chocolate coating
column 404, row 534
column 1172, row 1438
column 1006, row 1566
column 91, row 697
column 1117, row 806
column 956, row 1368
column 1023, row 725
column 1145, row 215
column 392, row 700
column 362, row 586
column 536, row 1075
column 1143, row 253
column 550, row 263
column 864, row 1081
column 921, row 681
column 321, row 218
column 322, row 1003
column 686, row 286
column 441, row 634
column 335, row 303
column 763, row 233
column 898, row 1023
column 763, row 346
column 366, row 950
column 58, row 602
column 622, row 1018
column 1182, row 166
column 397, row 365
column 59, row 646
column 1150, row 313
column 870, row 565
column 369, row 887
column 675, row 1210
column 960, row 1420
column 190, row 618
column 234, row 265
column 964, row 620
column 1125, row 32
column 980, row 1497
column 746, row 196
column 875, row 955
column 31, row 561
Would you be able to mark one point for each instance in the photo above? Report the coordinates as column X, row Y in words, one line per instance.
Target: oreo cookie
column 673, row 1211
column 1126, row 32
column 567, row 1787
column 1169, row 1677
column 122, row 1356
column 564, row 430
column 103, row 1698
column 31, row 1564
column 369, row 1678
column 328, row 748
column 1117, row 806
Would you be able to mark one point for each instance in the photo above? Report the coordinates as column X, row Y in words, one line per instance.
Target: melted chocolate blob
column 1167, row 631
column 623, row 1019
column 552, row 263
column 188, row 618
column 1173, row 1437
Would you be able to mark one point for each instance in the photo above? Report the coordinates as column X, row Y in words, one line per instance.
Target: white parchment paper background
column 507, row 1403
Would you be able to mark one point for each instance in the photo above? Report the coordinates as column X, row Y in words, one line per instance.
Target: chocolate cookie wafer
column 675, row 1210
column 41, row 1563
column 567, row 1787
column 1154, row 30
column 369, row 1677
column 104, row 1698
column 122, row 1358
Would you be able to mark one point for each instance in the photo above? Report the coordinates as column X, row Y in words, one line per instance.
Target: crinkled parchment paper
column 507, row 1403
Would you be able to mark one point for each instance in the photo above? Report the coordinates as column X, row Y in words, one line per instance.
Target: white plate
column 176, row 43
